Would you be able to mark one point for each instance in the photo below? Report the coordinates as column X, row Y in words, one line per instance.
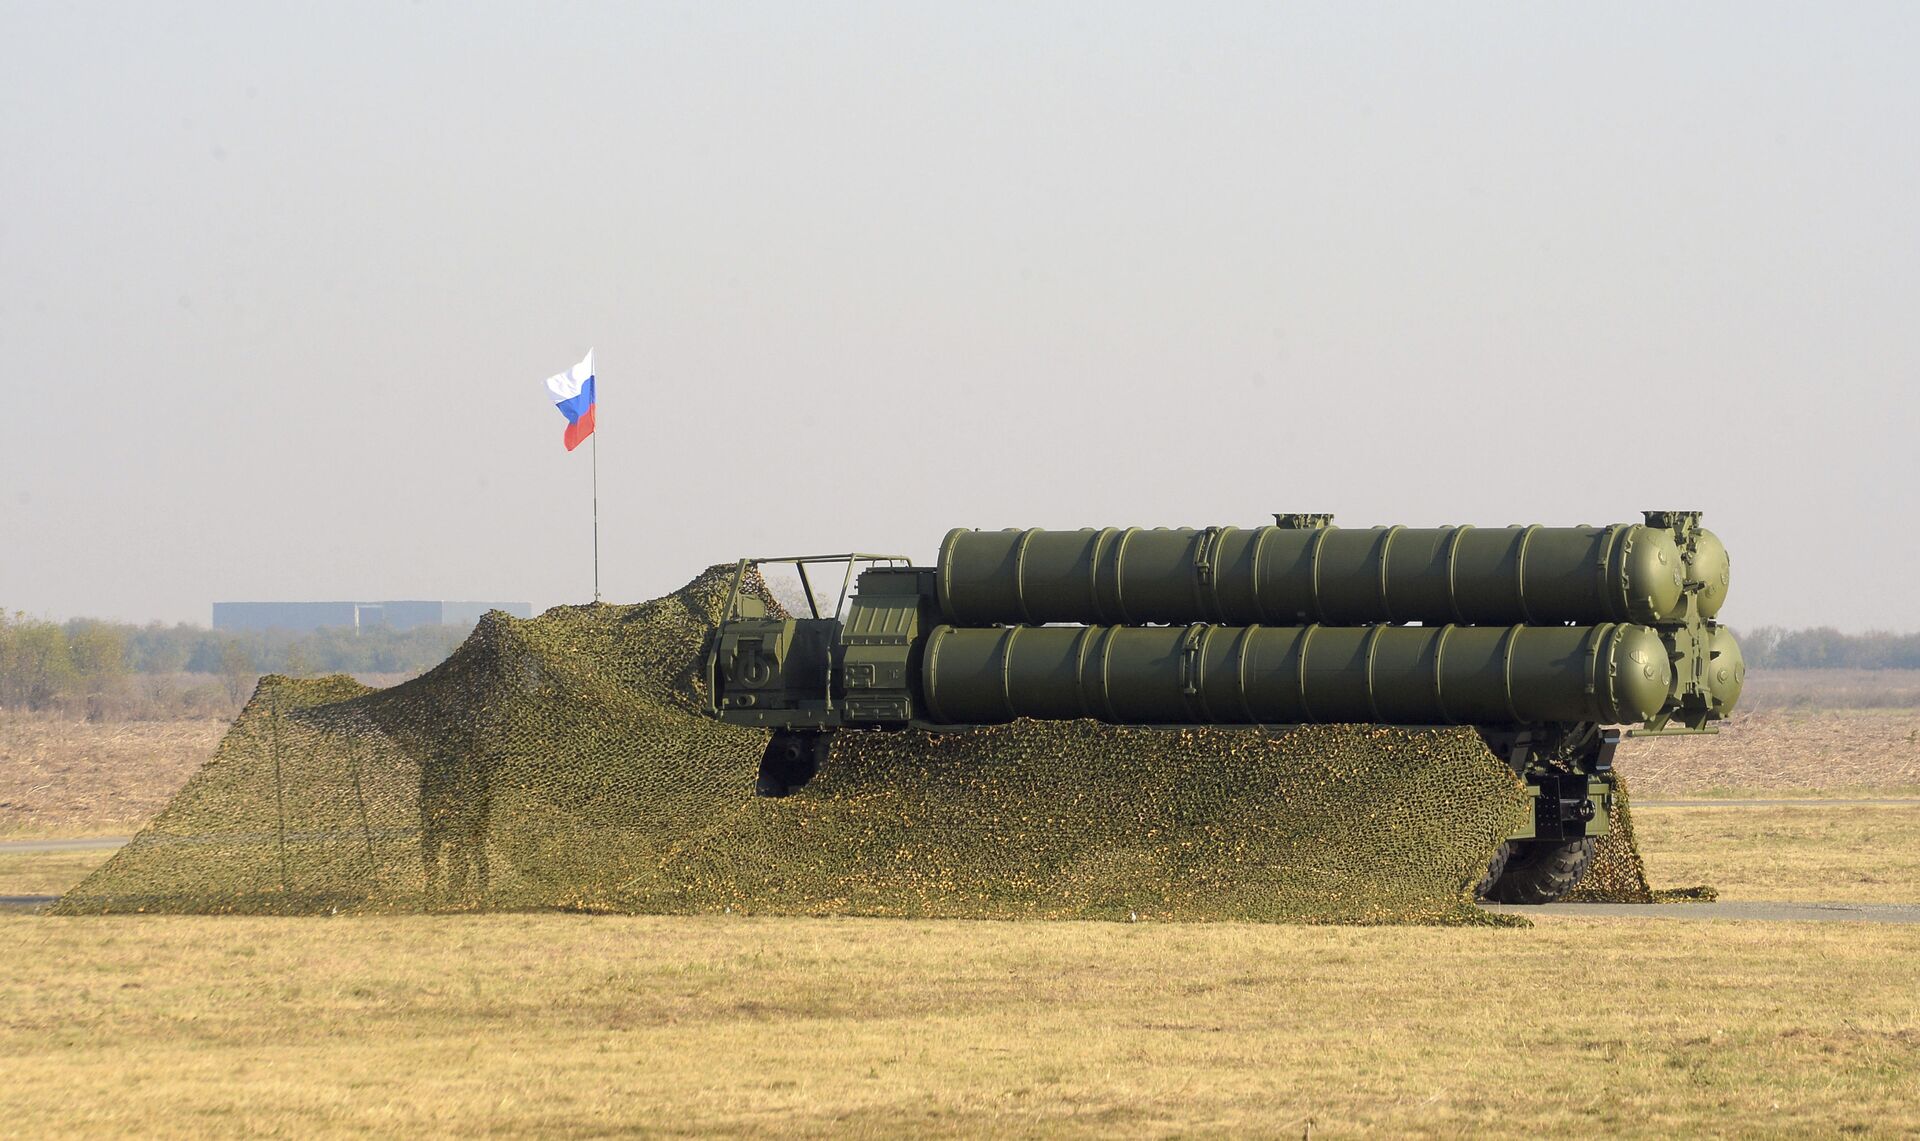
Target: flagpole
column 596, row 512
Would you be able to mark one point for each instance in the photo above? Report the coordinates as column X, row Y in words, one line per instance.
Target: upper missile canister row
column 1289, row 575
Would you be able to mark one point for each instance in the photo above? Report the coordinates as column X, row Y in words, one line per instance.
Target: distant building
column 304, row 616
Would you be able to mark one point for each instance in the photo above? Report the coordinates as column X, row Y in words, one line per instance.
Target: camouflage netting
column 1618, row 874
column 562, row 762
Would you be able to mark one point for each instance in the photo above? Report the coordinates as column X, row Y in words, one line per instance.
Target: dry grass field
column 587, row 1026
column 45, row 873
column 62, row 777
column 518, row 1025
column 1831, row 689
column 1798, row 733
column 1826, row 854
column 1837, row 752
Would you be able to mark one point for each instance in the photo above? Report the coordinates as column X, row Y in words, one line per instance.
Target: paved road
column 1811, row 802
column 1728, row 909
column 90, row 844
column 26, row 902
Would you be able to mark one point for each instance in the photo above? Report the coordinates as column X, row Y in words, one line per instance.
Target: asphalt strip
column 26, row 902
column 1809, row 802
column 89, row 844
column 1762, row 910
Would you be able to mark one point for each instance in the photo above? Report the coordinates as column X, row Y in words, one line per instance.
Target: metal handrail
column 800, row 563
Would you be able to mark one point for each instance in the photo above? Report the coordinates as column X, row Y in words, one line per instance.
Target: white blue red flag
column 573, row 396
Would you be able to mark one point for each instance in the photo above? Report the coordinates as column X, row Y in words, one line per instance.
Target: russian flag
column 573, row 396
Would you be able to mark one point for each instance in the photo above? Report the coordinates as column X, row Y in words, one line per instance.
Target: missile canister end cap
column 1642, row 675
column 1710, row 571
column 1652, row 573
column 1726, row 671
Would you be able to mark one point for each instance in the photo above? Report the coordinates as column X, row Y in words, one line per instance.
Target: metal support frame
column 801, row 562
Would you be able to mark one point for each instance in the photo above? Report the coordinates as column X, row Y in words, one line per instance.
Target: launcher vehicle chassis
column 1550, row 642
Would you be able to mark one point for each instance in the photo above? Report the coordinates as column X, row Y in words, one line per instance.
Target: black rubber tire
column 1495, row 866
column 792, row 758
column 1541, row 871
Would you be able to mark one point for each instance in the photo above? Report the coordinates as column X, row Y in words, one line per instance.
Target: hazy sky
column 279, row 285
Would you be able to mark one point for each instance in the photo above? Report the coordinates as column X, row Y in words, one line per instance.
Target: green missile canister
column 1303, row 571
column 1613, row 673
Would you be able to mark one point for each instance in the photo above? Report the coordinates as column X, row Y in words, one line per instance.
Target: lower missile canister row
column 1612, row 673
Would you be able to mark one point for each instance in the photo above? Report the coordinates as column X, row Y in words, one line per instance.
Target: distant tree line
column 1823, row 647
column 86, row 664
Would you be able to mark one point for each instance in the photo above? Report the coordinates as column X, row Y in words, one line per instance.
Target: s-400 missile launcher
column 1551, row 642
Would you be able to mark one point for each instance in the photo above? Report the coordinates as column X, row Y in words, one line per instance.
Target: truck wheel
column 1539, row 871
column 790, row 761
column 1495, row 866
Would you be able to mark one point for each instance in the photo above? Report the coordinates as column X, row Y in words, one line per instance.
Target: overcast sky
column 279, row 285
